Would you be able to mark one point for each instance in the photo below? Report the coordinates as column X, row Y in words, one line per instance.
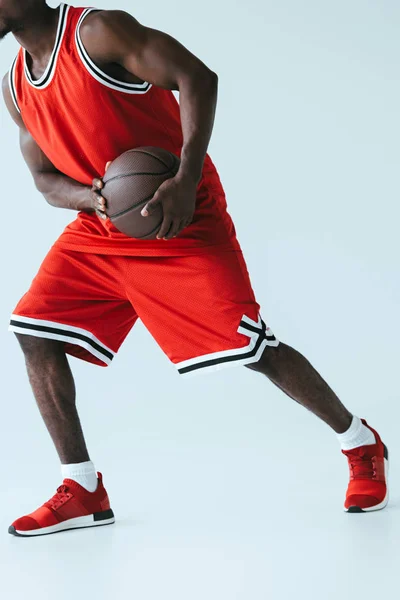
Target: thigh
column 78, row 299
column 200, row 309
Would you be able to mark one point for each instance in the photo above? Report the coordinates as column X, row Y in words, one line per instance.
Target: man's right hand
column 99, row 204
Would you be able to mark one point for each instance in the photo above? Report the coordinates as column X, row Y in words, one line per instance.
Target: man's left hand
column 177, row 197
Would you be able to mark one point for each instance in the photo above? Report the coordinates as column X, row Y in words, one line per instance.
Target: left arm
column 156, row 57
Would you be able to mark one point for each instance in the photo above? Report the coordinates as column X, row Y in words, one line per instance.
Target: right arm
column 58, row 189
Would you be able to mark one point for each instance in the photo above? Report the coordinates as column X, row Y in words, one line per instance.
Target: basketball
column 131, row 180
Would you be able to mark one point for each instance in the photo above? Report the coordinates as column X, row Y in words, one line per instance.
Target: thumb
column 108, row 164
column 151, row 206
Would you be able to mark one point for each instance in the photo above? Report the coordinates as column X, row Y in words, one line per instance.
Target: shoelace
column 362, row 466
column 61, row 496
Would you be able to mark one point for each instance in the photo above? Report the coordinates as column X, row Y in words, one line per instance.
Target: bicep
column 33, row 155
column 161, row 59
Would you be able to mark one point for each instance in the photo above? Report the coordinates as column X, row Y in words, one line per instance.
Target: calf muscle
column 53, row 386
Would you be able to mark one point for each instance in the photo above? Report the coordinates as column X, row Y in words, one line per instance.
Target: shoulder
column 5, row 86
column 115, row 28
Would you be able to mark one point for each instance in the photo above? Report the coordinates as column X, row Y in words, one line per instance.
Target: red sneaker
column 369, row 467
column 72, row 507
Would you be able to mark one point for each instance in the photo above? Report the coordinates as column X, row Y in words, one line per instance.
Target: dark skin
column 135, row 53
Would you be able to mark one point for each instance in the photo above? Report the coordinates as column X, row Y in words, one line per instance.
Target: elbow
column 212, row 78
column 204, row 77
column 39, row 183
column 199, row 78
column 207, row 80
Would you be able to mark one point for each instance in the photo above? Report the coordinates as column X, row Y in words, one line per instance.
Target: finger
column 174, row 229
column 182, row 226
column 100, row 203
column 166, row 224
column 98, row 183
column 101, row 215
column 186, row 223
column 150, row 206
column 107, row 165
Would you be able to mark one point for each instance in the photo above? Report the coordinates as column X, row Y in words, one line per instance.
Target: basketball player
column 86, row 86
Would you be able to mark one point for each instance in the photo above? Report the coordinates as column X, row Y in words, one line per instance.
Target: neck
column 38, row 32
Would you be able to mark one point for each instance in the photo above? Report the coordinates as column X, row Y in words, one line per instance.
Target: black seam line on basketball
column 150, row 232
column 123, row 212
column 63, row 10
column 13, row 90
column 123, row 85
column 145, row 237
column 134, row 175
column 156, row 157
column 65, row 333
column 223, row 359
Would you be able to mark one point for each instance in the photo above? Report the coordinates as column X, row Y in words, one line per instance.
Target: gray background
column 223, row 487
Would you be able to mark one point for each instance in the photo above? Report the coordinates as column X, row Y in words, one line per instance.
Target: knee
column 35, row 346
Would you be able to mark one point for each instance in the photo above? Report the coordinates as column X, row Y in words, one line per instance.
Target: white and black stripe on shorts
column 260, row 336
column 62, row 333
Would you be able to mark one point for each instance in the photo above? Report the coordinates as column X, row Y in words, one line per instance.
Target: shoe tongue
column 73, row 485
column 360, row 451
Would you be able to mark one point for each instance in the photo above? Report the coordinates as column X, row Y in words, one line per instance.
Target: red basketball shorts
column 200, row 309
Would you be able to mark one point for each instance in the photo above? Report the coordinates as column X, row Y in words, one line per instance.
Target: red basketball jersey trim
column 97, row 73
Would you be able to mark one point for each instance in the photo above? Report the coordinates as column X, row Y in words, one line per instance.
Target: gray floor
column 238, row 496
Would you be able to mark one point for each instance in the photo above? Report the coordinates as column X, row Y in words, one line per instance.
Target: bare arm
column 158, row 58
column 153, row 56
column 58, row 189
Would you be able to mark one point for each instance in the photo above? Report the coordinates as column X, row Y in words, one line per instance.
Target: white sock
column 83, row 473
column 357, row 435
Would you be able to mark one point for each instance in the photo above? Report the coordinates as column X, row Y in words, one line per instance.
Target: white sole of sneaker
column 77, row 523
column 384, row 503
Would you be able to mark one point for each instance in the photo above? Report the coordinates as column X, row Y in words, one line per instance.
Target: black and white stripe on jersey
column 11, row 83
column 97, row 73
column 49, row 72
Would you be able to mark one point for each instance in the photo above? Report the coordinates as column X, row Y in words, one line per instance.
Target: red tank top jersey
column 81, row 118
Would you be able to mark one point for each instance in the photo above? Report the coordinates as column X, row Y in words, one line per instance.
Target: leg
column 54, row 389
column 293, row 374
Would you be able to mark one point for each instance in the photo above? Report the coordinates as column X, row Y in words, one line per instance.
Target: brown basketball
column 130, row 182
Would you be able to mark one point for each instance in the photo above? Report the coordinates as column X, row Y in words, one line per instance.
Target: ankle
column 83, row 473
